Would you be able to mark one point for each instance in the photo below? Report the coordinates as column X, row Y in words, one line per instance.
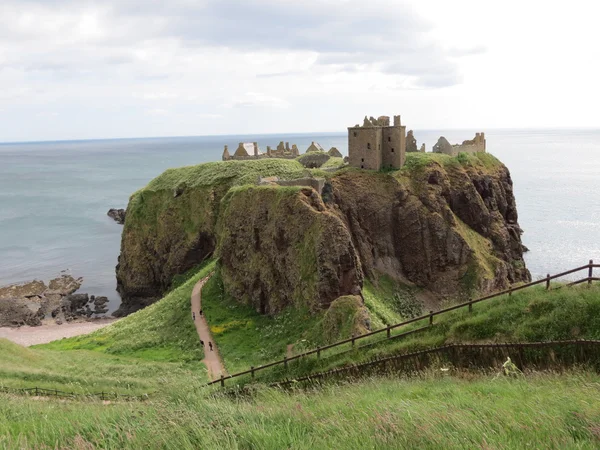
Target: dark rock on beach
column 29, row 303
column 118, row 215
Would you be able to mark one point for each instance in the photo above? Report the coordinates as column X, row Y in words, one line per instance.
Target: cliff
column 448, row 225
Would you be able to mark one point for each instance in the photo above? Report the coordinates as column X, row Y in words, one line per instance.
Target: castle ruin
column 250, row 150
column 475, row 145
column 377, row 144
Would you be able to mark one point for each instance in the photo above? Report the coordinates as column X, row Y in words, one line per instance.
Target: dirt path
column 50, row 331
column 212, row 359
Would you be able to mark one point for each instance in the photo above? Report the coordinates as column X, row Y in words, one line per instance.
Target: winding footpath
column 212, row 359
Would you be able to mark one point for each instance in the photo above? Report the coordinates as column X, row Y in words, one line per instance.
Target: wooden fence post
column 353, row 337
column 102, row 395
column 285, row 361
column 36, row 392
column 389, row 331
column 252, row 371
column 470, row 306
column 510, row 291
column 547, row 281
column 430, row 317
column 590, row 273
column 222, row 381
column 318, row 352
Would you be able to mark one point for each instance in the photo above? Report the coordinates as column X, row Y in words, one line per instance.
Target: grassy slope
column 246, row 337
column 154, row 349
column 541, row 411
column 86, row 371
column 163, row 331
column 529, row 315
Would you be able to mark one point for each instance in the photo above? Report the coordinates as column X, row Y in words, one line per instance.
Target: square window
column 392, row 150
column 362, row 160
column 389, row 139
column 355, row 134
column 368, row 146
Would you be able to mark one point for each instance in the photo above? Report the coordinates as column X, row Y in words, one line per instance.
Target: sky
column 141, row 68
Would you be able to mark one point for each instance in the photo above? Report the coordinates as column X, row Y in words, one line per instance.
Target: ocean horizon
column 54, row 195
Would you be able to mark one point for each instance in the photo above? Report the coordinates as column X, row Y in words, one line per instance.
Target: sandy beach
column 50, row 331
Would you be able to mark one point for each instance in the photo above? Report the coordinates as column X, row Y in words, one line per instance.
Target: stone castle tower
column 377, row 144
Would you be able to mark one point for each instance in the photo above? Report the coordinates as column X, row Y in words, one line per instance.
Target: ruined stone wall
column 475, row 145
column 364, row 147
column 261, row 156
column 394, row 147
column 316, row 183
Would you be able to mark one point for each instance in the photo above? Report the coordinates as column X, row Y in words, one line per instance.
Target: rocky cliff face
column 281, row 246
column 446, row 224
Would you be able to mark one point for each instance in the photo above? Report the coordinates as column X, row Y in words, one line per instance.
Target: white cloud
column 110, row 68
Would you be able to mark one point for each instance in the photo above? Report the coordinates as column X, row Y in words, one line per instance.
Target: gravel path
column 212, row 359
column 49, row 332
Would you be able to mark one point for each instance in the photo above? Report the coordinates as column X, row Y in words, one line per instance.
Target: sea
column 54, row 196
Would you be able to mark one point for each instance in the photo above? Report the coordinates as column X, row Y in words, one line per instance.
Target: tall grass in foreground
column 540, row 411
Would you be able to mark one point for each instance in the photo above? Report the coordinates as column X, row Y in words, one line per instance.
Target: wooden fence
column 427, row 317
column 40, row 392
column 532, row 355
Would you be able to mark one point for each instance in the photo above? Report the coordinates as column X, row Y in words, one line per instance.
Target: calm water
column 54, row 196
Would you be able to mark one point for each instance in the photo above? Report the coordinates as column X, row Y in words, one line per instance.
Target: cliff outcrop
column 281, row 247
column 448, row 225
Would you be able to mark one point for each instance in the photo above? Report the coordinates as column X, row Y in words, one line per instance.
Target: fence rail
column 589, row 279
column 533, row 355
column 41, row 392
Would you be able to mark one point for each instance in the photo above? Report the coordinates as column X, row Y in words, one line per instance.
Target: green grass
column 527, row 316
column 247, row 338
column 377, row 300
column 333, row 162
column 85, row 371
column 163, row 331
column 431, row 412
column 155, row 349
column 234, row 172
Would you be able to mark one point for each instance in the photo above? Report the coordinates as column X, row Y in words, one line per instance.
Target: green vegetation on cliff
column 530, row 315
column 247, row 338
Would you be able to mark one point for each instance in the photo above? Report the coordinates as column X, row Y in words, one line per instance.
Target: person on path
column 202, row 343
column 210, row 346
column 201, row 314
column 194, row 315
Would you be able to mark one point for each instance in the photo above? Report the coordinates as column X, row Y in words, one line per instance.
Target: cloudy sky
column 134, row 68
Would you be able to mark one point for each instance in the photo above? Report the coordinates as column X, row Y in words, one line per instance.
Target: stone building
column 411, row 143
column 335, row 153
column 250, row 150
column 377, row 144
column 315, row 147
column 475, row 145
column 283, row 151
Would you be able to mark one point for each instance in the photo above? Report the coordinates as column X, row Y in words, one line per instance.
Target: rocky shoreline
column 118, row 215
column 32, row 302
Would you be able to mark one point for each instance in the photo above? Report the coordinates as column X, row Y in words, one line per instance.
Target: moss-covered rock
column 445, row 224
column 346, row 316
column 281, row 247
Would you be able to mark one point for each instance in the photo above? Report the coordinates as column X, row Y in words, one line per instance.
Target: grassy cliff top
column 247, row 172
column 234, row 172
